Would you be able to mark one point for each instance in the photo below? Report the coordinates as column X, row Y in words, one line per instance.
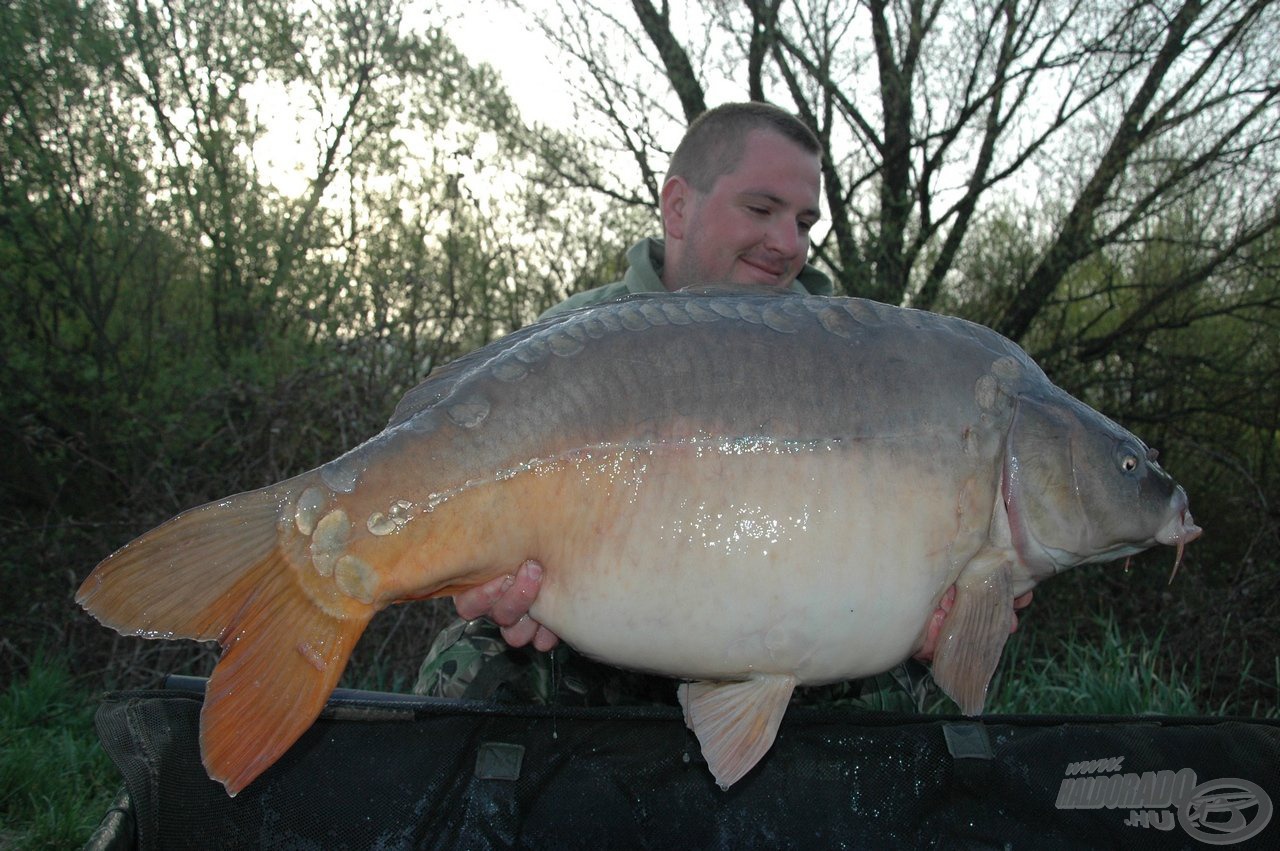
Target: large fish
column 743, row 491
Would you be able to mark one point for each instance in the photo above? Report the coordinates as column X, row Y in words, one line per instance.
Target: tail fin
column 223, row 572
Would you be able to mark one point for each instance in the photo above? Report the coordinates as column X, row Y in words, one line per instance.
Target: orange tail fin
column 223, row 571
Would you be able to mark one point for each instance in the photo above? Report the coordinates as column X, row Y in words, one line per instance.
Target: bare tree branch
column 679, row 70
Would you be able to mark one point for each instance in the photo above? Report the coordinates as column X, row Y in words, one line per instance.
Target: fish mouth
column 1180, row 530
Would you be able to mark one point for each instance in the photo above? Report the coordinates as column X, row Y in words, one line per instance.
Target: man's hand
column 940, row 614
column 506, row 601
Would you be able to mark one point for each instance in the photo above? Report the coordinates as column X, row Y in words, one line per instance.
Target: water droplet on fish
column 394, row 520
column 380, row 524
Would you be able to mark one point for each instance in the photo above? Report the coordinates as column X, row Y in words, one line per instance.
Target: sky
column 487, row 31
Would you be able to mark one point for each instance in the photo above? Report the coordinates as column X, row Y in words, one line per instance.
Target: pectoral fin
column 973, row 635
column 736, row 722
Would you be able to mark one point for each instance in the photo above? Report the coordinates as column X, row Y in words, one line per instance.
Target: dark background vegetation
column 1098, row 181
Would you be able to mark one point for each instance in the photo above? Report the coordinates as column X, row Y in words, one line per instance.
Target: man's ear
column 675, row 206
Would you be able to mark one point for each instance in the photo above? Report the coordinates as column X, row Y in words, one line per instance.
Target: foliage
column 230, row 239
column 55, row 780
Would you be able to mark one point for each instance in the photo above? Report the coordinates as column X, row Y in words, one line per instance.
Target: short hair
column 714, row 142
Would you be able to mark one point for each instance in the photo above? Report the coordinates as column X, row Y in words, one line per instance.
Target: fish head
column 1080, row 489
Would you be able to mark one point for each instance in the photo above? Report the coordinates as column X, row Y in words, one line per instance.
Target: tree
column 935, row 113
column 230, row 238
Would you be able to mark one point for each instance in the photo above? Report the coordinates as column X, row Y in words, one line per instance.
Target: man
column 739, row 200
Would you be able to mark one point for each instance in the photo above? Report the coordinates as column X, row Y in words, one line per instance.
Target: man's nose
column 785, row 238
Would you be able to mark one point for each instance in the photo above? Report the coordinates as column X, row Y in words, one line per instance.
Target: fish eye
column 1129, row 459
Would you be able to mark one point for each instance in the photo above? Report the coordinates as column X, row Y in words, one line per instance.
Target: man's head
column 739, row 198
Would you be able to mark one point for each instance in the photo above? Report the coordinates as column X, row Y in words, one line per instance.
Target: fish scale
column 739, row 489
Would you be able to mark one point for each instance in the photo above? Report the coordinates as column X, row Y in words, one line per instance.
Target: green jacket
column 644, row 275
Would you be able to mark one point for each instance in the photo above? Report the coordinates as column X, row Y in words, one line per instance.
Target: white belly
column 822, row 561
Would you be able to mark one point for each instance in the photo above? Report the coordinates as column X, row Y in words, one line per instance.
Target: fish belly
column 718, row 561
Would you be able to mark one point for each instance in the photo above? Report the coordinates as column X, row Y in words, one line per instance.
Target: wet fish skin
column 749, row 491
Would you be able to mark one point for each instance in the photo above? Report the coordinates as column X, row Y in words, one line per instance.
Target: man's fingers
column 521, row 632
column 514, row 602
column 934, row 628
column 544, row 639
column 506, row 601
column 925, row 653
column 1019, row 603
column 478, row 601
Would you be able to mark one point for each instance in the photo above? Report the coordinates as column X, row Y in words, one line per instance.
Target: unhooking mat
column 393, row 771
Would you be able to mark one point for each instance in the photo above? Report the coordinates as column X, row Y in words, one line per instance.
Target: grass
column 1107, row 672
column 1123, row 673
column 56, row 783
column 1118, row 675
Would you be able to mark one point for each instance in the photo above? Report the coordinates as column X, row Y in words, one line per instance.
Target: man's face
column 752, row 227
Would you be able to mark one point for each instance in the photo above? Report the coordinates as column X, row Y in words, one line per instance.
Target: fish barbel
column 744, row 491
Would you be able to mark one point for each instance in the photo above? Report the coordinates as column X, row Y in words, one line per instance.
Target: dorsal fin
column 442, row 379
